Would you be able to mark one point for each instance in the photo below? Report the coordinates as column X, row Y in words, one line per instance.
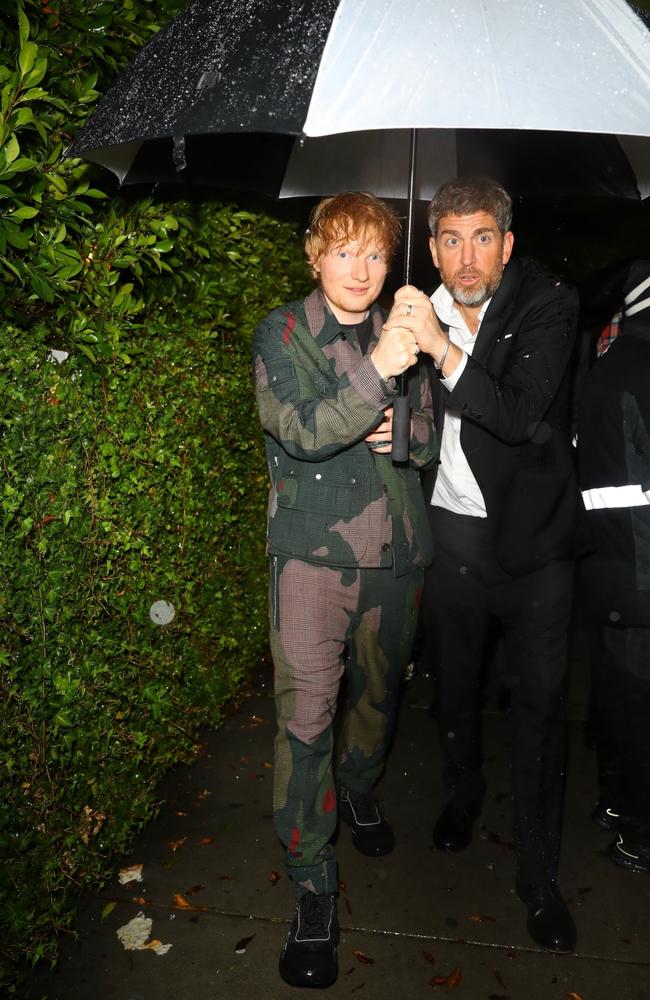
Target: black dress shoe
column 309, row 954
column 453, row 829
column 630, row 851
column 549, row 922
column 371, row 834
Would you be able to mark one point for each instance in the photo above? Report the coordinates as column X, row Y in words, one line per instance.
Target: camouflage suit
column 348, row 539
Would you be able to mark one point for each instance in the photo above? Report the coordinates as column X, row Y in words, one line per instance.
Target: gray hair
column 465, row 195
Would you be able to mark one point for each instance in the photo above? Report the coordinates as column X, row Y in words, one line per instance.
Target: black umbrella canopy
column 191, row 78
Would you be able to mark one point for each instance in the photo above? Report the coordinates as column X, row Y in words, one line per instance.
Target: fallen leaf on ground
column 205, row 841
column 193, row 891
column 158, row 947
column 274, row 878
column 175, row 844
column 181, row 903
column 242, row 945
column 450, row 981
column 108, row 909
column 429, row 957
column 133, row 936
column 131, row 874
column 480, row 918
column 203, row 794
column 574, row 996
column 139, row 900
column 362, row 957
column 266, row 763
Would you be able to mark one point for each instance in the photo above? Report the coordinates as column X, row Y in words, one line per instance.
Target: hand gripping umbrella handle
column 401, row 431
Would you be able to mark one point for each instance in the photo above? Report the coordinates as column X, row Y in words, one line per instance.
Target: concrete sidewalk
column 415, row 924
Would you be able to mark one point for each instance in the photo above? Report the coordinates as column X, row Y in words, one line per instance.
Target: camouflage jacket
column 332, row 500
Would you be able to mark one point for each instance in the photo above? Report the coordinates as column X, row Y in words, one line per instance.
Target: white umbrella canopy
column 562, row 65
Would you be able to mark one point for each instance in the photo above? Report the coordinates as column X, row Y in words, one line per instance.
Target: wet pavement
column 415, row 924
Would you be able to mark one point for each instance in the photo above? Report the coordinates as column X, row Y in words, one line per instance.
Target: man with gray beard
column 502, row 504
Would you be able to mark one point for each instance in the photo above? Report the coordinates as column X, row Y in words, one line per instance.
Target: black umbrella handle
column 401, row 431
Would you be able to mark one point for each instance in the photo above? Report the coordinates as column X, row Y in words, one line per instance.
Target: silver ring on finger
column 409, row 309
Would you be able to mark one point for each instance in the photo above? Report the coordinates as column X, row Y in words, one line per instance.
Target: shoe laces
column 364, row 805
column 315, row 917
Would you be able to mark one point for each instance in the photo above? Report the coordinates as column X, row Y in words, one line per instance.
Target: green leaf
column 11, row 150
column 24, row 212
column 27, row 57
column 23, row 27
column 87, row 351
column 16, row 237
column 108, row 909
column 42, row 287
column 36, row 74
column 35, row 94
column 23, row 116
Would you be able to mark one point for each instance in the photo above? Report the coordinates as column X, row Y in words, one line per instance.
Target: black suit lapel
column 501, row 306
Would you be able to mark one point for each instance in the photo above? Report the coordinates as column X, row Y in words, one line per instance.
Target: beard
column 479, row 293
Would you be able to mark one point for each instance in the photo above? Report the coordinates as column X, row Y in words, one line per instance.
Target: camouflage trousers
column 326, row 622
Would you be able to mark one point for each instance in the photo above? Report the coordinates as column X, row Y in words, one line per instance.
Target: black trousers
column 622, row 710
column 466, row 593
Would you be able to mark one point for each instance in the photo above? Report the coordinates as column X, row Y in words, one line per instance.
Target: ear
column 508, row 243
column 434, row 252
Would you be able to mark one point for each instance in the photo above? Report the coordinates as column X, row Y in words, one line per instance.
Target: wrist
column 440, row 362
column 383, row 375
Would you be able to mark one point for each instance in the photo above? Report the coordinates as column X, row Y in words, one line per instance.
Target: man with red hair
column 348, row 541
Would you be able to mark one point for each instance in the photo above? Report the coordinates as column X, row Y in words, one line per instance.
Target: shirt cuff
column 451, row 380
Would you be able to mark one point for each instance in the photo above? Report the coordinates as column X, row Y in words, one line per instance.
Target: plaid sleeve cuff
column 371, row 386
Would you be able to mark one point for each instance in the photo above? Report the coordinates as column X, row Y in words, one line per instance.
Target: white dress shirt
column 456, row 488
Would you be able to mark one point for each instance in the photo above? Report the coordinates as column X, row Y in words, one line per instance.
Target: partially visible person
column 614, row 471
column 503, row 503
column 348, row 540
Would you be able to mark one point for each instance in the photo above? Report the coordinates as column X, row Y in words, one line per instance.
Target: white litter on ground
column 134, row 936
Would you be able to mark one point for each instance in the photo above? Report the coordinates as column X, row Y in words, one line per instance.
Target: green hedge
column 132, row 469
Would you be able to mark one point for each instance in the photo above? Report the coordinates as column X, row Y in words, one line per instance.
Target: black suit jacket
column 513, row 398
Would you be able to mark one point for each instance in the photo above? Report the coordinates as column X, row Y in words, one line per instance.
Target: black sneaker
column 309, row 954
column 371, row 834
column 631, row 852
